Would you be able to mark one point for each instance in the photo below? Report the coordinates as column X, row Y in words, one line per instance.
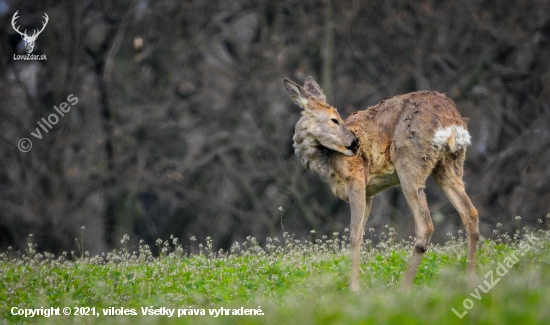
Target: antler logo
column 29, row 40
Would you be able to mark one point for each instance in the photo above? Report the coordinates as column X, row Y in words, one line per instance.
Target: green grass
column 294, row 282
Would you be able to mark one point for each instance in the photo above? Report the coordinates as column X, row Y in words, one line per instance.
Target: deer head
column 29, row 40
column 324, row 123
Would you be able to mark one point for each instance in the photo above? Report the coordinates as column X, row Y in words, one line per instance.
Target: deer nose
column 354, row 145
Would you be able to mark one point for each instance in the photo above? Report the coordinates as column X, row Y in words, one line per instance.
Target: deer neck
column 312, row 154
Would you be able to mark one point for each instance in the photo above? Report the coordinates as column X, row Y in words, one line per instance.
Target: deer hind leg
column 360, row 208
column 448, row 175
column 412, row 183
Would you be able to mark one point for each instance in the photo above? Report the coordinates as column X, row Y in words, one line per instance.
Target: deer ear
column 299, row 95
column 314, row 89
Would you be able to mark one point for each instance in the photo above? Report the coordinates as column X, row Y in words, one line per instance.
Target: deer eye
column 335, row 121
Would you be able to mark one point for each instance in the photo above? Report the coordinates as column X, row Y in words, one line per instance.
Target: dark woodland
column 183, row 126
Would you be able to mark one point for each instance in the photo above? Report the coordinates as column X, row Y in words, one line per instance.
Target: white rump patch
column 461, row 136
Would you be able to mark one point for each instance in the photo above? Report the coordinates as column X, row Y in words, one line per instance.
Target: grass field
column 288, row 281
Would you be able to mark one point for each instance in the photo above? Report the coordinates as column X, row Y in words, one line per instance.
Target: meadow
column 283, row 281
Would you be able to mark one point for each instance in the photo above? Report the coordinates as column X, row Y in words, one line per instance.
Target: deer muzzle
column 352, row 148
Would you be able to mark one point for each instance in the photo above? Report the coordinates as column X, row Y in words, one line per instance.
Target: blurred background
column 183, row 126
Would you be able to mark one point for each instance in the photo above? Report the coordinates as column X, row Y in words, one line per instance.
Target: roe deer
column 400, row 141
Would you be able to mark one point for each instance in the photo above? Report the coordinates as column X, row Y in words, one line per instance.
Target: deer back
column 420, row 126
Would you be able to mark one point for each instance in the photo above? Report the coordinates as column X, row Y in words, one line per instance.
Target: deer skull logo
column 29, row 40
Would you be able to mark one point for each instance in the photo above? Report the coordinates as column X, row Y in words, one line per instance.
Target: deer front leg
column 360, row 209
